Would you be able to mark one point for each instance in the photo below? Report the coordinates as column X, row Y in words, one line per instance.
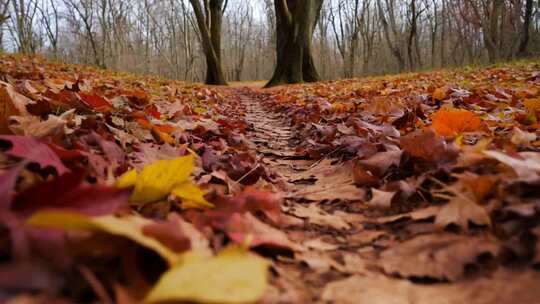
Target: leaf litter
column 416, row 188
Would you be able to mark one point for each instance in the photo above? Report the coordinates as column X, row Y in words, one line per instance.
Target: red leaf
column 153, row 111
column 70, row 192
column 34, row 151
column 95, row 102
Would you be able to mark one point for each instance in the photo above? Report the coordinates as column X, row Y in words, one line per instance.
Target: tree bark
column 525, row 31
column 393, row 44
column 210, row 28
column 295, row 24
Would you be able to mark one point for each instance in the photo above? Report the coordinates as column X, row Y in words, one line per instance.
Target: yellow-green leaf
column 234, row 276
column 128, row 179
column 129, row 227
column 192, row 196
column 199, row 110
column 157, row 180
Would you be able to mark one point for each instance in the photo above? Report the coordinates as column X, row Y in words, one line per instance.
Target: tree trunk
column 295, row 23
column 525, row 31
column 211, row 39
column 491, row 31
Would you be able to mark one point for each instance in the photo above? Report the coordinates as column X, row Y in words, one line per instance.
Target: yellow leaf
column 233, row 276
column 129, row 227
column 199, row 110
column 192, row 196
column 127, row 180
column 158, row 179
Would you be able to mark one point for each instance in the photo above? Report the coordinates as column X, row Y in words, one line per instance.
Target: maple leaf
column 159, row 179
column 192, row 196
column 440, row 256
column 34, row 127
column 461, row 207
column 247, row 230
column 451, row 122
column 34, row 151
column 70, row 192
column 440, row 93
column 526, row 164
column 12, row 103
column 381, row 199
column 427, row 145
column 130, row 227
column 233, row 276
column 95, row 102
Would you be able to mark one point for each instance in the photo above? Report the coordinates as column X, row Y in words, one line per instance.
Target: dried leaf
column 451, row 122
column 34, row 151
column 381, row 199
column 527, row 167
column 157, row 180
column 192, row 196
column 129, row 227
column 438, row 256
column 233, row 276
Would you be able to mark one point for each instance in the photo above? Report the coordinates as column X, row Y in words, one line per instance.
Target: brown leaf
column 381, row 199
column 12, row 103
column 460, row 211
column 427, row 145
column 317, row 216
column 438, row 256
column 247, row 230
column 503, row 287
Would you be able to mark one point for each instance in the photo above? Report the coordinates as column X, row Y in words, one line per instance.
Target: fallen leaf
column 461, row 212
column 527, row 167
column 438, row 256
column 130, row 227
column 451, row 122
column 247, row 230
column 317, row 216
column 34, row 151
column 192, row 196
column 70, row 192
column 381, row 199
column 440, row 93
column 233, row 276
column 427, row 145
column 12, row 103
column 157, row 180
column 35, row 127
column 503, row 287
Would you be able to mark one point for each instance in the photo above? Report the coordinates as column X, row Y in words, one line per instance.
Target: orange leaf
column 439, row 94
column 450, row 122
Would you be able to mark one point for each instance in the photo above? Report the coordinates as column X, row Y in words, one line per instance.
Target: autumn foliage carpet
column 414, row 188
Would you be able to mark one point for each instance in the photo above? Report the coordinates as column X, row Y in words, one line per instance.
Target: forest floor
column 413, row 188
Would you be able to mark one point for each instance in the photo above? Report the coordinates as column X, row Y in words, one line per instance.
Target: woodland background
column 352, row 38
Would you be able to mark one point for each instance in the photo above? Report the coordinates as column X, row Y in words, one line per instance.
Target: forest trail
column 344, row 250
column 274, row 141
column 406, row 189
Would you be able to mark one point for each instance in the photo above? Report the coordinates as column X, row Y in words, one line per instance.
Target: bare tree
column 85, row 11
column 50, row 19
column 295, row 24
column 22, row 25
column 4, row 16
column 209, row 23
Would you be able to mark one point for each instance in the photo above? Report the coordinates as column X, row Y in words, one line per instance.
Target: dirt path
column 346, row 251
